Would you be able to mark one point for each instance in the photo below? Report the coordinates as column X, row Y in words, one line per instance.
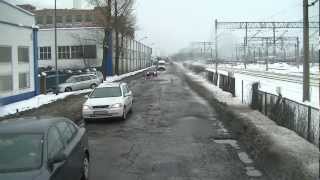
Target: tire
column 124, row 115
column 85, row 168
column 68, row 89
column 92, row 86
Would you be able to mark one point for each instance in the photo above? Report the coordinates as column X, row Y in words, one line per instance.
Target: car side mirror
column 128, row 94
column 86, row 96
column 60, row 157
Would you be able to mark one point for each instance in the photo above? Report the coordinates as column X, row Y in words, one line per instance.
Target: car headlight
column 118, row 105
column 85, row 107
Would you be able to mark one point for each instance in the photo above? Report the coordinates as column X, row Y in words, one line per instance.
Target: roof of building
column 16, row 7
column 28, row 124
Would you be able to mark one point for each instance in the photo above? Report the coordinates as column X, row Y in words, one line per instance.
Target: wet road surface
column 172, row 134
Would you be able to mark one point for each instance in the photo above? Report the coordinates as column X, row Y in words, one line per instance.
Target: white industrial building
column 18, row 65
column 76, row 47
column 82, row 47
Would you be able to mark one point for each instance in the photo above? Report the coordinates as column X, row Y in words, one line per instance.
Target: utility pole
column 245, row 46
column 216, row 43
column 306, row 55
column 55, row 46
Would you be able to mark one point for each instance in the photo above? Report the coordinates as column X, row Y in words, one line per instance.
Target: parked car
column 109, row 100
column 78, row 82
column 98, row 74
column 44, row 148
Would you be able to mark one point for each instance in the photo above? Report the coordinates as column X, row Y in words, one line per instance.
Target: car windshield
column 20, row 152
column 106, row 92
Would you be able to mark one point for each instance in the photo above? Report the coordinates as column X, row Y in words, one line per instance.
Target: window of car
column 65, row 131
column 106, row 92
column 20, row 152
column 86, row 78
column 55, row 143
column 73, row 129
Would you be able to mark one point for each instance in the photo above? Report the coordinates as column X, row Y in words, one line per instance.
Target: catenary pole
column 306, row 55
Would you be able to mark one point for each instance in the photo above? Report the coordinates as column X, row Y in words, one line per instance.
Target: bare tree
column 115, row 16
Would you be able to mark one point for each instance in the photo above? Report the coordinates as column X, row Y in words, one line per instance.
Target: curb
column 280, row 152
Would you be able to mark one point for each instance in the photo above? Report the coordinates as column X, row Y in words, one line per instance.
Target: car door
column 55, row 145
column 77, row 83
column 73, row 148
column 130, row 98
column 126, row 98
column 87, row 81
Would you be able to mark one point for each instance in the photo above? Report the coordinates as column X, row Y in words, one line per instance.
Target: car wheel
column 124, row 116
column 68, row 89
column 85, row 168
column 92, row 86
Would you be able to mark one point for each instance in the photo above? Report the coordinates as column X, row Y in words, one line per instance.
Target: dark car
column 43, row 148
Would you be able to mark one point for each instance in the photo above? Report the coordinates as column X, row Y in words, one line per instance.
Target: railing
column 301, row 118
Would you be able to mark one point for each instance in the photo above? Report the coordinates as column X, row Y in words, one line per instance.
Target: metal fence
column 302, row 119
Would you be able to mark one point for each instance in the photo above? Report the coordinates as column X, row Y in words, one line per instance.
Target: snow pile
column 36, row 102
column 118, row 78
column 42, row 99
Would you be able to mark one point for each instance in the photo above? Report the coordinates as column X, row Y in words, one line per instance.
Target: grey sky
column 173, row 24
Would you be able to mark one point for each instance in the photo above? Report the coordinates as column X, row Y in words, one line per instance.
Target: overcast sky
column 173, row 24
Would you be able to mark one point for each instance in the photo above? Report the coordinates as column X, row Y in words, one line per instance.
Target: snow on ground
column 289, row 90
column 42, row 99
column 117, row 78
column 36, row 102
column 282, row 68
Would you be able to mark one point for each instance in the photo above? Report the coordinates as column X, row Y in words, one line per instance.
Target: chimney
column 76, row 4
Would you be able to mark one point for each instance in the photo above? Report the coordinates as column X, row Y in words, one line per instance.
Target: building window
column 24, row 80
column 45, row 53
column 90, row 51
column 23, row 55
column 88, row 18
column 39, row 19
column 49, row 20
column 69, row 19
column 78, row 18
column 64, row 52
column 76, row 52
column 59, row 19
column 6, row 83
column 5, row 54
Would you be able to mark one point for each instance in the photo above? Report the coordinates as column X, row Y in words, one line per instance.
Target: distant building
column 18, row 62
column 77, row 47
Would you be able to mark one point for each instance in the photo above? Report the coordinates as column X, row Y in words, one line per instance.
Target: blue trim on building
column 16, row 98
column 35, row 62
column 109, row 64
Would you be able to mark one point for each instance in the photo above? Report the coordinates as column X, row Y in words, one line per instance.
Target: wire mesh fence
column 301, row 118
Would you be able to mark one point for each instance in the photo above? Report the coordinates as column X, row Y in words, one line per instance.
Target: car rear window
column 20, row 152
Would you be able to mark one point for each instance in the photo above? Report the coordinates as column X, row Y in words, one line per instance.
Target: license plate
column 101, row 113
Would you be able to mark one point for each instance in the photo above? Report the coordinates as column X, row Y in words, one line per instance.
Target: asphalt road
column 172, row 134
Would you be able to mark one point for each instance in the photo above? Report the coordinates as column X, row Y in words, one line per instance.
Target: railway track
column 314, row 80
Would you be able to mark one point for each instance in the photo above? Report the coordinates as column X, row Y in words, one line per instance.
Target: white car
column 78, row 82
column 109, row 100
